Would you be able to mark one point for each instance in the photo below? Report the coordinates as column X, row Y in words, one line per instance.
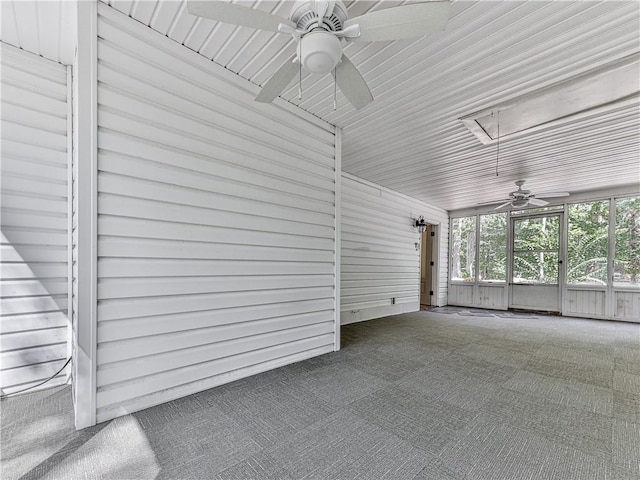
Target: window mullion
column 610, row 309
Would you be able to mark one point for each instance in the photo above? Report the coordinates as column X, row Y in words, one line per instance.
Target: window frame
column 588, row 286
column 612, row 247
column 506, row 258
column 475, row 262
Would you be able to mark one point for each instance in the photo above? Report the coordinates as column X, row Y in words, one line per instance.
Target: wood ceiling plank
column 165, row 14
column 123, row 6
column 49, row 28
column 142, row 10
column 9, row 30
column 26, row 14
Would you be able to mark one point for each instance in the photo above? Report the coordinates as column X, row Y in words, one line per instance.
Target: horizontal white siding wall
column 34, row 250
column 379, row 260
column 216, row 225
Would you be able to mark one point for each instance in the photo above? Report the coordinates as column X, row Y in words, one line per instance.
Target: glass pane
column 463, row 248
column 626, row 270
column 493, row 247
column 536, row 233
column 587, row 243
column 535, row 267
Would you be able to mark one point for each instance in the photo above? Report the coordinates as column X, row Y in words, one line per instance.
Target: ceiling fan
column 521, row 198
column 320, row 29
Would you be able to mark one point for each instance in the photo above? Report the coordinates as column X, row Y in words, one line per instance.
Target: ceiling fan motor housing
column 304, row 15
column 520, row 202
column 318, row 50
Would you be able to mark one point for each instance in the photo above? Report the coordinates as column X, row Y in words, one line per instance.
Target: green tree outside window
column 493, row 247
column 587, row 243
column 626, row 270
column 463, row 248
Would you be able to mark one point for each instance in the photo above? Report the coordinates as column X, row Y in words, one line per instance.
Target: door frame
column 561, row 255
column 430, row 235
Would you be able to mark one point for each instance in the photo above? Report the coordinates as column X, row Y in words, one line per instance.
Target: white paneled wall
column 216, row 225
column 482, row 295
column 461, row 294
column 380, row 265
column 589, row 303
column 615, row 303
column 492, row 296
column 626, row 305
column 34, row 250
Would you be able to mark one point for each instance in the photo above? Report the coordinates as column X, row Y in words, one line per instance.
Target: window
column 493, row 248
column 626, row 267
column 463, row 248
column 587, row 243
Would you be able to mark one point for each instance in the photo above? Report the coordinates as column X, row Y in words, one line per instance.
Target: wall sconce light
column 420, row 225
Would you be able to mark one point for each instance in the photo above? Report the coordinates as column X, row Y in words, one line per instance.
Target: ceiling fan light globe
column 320, row 51
column 520, row 202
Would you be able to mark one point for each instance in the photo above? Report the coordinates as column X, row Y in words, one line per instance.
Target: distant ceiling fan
column 521, row 198
column 320, row 27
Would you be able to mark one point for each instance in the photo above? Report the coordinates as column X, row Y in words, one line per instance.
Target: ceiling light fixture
column 319, row 51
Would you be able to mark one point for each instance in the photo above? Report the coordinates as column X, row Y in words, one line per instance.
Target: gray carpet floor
column 442, row 394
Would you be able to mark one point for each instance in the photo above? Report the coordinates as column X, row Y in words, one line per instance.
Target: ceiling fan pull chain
column 498, row 149
column 300, row 82
column 335, row 88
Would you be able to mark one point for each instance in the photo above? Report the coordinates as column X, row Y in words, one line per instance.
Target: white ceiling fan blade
column 288, row 29
column 278, row 81
column 537, row 202
column 499, row 207
column 405, row 21
column 352, row 32
column 330, row 7
column 321, row 8
column 493, row 202
column 351, row 83
column 236, row 15
column 553, row 195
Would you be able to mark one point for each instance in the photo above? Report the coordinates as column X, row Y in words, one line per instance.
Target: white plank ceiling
column 45, row 28
column 410, row 138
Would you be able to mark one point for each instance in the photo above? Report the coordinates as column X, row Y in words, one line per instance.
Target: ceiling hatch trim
column 594, row 92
